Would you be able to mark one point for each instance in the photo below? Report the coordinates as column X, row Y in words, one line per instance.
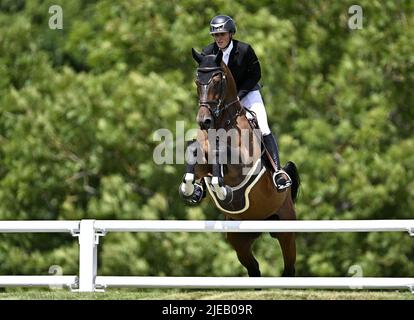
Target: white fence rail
column 89, row 232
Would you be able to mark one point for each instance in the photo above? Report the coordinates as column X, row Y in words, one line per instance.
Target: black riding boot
column 280, row 178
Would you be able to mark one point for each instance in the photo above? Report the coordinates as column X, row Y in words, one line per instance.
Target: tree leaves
column 79, row 106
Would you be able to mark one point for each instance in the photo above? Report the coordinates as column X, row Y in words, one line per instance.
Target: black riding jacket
column 243, row 64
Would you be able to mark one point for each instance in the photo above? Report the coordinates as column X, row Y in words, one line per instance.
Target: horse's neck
column 248, row 148
column 230, row 83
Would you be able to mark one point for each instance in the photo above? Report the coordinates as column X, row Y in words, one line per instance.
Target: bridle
column 216, row 107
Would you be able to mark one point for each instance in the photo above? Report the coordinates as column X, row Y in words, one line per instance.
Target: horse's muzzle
column 206, row 123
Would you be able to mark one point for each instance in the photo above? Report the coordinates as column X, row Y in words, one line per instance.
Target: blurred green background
column 79, row 106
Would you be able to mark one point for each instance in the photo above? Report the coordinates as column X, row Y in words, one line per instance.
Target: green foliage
column 79, row 108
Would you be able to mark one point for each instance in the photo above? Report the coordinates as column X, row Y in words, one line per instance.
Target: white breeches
column 253, row 101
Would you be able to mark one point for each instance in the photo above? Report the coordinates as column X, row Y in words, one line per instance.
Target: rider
column 245, row 68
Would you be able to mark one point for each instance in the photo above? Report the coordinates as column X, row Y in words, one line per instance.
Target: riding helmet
column 221, row 24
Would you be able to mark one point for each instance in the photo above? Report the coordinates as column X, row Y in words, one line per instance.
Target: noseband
column 215, row 106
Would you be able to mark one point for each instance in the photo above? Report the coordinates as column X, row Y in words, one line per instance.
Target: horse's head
column 215, row 92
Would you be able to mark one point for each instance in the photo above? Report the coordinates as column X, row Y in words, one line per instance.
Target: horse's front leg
column 223, row 192
column 191, row 191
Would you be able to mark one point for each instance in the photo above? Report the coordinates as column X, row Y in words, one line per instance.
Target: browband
column 209, row 69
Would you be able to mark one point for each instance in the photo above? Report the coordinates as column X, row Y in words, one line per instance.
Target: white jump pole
column 255, row 226
column 39, row 281
column 256, row 282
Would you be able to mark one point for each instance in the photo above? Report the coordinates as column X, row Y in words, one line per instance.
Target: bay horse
column 240, row 189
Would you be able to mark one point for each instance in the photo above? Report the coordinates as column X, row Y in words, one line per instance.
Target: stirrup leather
column 280, row 187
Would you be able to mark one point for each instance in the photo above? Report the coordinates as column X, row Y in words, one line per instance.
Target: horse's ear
column 197, row 56
column 219, row 57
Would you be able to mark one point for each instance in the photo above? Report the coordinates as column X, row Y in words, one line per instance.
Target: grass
column 175, row 294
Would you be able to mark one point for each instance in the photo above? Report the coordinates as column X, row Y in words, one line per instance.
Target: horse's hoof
column 194, row 198
column 229, row 195
column 224, row 193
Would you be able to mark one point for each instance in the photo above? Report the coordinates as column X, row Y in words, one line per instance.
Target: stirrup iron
column 283, row 187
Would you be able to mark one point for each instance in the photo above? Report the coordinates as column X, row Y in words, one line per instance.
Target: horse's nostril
column 207, row 123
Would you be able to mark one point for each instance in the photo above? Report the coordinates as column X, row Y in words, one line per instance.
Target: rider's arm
column 253, row 73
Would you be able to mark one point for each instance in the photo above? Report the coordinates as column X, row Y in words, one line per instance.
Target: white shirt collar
column 226, row 52
column 229, row 48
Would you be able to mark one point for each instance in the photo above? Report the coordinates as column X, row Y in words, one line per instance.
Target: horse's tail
column 292, row 171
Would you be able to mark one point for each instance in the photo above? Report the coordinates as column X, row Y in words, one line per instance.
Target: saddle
column 266, row 158
column 254, row 124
